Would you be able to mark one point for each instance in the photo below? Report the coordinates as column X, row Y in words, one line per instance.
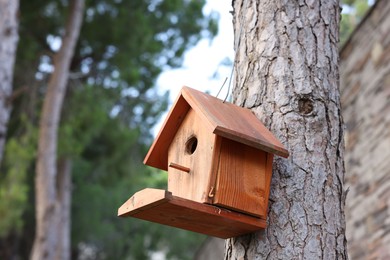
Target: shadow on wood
column 162, row 207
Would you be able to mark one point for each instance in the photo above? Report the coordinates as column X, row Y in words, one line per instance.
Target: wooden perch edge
column 162, row 207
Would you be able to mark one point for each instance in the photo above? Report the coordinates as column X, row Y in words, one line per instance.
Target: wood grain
column 241, row 179
column 233, row 122
column 192, row 185
column 157, row 155
column 223, row 119
column 179, row 167
column 286, row 71
column 162, row 207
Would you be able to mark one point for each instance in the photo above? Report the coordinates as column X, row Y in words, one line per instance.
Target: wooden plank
column 191, row 185
column 268, row 177
column 211, row 186
column 233, row 122
column 259, row 142
column 142, row 200
column 241, row 179
column 161, row 207
column 157, row 155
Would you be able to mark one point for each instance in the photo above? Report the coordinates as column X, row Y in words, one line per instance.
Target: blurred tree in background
column 110, row 107
column 9, row 37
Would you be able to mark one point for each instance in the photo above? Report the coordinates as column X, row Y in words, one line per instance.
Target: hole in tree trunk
column 305, row 106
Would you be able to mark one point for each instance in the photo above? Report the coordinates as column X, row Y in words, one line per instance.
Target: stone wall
column 212, row 248
column 365, row 93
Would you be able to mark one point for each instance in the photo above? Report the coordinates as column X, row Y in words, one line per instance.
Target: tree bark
column 47, row 198
column 64, row 186
column 8, row 43
column 287, row 74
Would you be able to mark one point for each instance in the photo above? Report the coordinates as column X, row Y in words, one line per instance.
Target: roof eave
column 253, row 142
column 157, row 155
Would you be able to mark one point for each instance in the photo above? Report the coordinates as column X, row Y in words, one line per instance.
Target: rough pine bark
column 47, row 197
column 287, row 74
column 8, row 43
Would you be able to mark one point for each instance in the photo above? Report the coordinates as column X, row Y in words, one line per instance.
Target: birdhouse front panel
column 190, row 158
column 243, row 178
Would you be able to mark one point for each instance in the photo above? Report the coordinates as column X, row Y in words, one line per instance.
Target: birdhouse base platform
column 162, row 207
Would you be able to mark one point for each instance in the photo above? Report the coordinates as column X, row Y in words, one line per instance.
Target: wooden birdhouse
column 219, row 162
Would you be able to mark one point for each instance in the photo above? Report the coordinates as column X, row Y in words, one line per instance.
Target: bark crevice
column 287, row 74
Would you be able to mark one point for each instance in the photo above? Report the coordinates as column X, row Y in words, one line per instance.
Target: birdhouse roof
column 224, row 119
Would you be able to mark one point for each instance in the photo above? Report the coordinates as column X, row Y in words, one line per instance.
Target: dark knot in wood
column 305, row 106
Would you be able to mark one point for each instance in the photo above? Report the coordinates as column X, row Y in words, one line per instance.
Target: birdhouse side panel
column 243, row 176
column 268, row 177
column 189, row 159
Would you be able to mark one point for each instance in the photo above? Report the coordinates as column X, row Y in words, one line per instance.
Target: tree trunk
column 64, row 186
column 47, row 204
column 8, row 42
column 287, row 74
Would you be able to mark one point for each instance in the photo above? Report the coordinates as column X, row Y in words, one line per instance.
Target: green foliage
column 99, row 228
column 355, row 11
column 82, row 120
column 110, row 108
column 19, row 154
column 94, row 223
